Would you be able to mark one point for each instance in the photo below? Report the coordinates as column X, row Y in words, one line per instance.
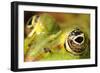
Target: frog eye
column 75, row 42
column 32, row 22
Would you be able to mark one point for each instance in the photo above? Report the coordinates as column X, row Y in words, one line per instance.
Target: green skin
column 49, row 39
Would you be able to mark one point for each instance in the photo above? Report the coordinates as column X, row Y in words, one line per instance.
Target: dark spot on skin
column 47, row 50
column 29, row 45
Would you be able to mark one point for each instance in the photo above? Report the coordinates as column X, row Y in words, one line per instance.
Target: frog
column 47, row 41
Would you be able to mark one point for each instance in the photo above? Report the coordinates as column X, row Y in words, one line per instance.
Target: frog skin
column 47, row 34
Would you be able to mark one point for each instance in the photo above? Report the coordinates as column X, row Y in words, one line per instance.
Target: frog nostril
column 79, row 39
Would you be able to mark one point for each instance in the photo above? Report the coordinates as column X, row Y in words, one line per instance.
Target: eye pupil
column 79, row 39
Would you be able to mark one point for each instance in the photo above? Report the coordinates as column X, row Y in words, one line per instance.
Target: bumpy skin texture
column 47, row 39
